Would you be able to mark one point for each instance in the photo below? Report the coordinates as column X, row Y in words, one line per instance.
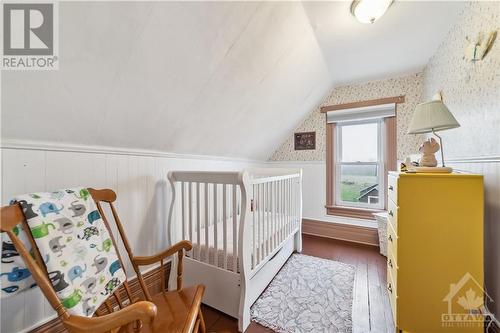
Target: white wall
column 314, row 192
column 139, row 178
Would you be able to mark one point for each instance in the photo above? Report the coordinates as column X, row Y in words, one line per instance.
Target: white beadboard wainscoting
column 138, row 177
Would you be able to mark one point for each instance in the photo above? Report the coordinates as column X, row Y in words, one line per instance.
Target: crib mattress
column 200, row 250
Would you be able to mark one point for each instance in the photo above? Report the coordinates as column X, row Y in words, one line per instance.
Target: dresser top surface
column 434, row 175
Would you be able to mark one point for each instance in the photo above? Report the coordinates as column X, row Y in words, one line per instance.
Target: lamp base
column 431, row 169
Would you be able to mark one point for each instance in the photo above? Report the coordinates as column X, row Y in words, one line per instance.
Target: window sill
column 359, row 213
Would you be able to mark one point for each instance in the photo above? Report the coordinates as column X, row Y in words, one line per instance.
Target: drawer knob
column 390, row 262
column 391, row 188
column 391, row 213
column 390, row 238
column 389, row 287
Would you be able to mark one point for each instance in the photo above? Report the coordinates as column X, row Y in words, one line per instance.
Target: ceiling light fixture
column 368, row 11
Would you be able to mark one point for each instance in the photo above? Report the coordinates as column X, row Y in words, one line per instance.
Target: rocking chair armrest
column 148, row 260
column 144, row 311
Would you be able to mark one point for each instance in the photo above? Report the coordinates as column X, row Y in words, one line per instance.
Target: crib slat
column 190, row 213
column 295, row 205
column 216, row 244
column 205, row 218
column 259, row 234
column 271, row 217
column 183, row 213
column 289, row 207
column 292, row 202
column 282, row 211
column 224, row 225
column 198, row 225
column 235, row 231
column 254, row 240
column 266, row 222
column 268, row 219
column 275, row 215
column 278, row 241
column 261, row 222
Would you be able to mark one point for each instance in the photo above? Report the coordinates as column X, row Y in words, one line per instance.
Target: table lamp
column 431, row 117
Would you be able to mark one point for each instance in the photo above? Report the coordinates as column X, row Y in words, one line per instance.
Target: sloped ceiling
column 214, row 78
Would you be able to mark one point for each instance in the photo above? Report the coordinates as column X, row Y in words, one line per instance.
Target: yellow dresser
column 435, row 252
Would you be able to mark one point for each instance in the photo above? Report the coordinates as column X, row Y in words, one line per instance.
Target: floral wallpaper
column 410, row 86
column 470, row 90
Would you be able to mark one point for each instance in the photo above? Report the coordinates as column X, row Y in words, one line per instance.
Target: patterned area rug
column 308, row 294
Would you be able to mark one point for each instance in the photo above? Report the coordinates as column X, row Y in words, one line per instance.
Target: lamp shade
column 431, row 116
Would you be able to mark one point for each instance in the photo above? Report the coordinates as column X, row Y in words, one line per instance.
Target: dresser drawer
column 392, row 214
column 392, row 188
column 392, row 242
column 393, row 298
column 392, row 269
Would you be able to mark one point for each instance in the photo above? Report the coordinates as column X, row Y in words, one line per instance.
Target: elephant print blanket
column 74, row 243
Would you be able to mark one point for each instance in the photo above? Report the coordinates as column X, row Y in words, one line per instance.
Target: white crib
column 243, row 226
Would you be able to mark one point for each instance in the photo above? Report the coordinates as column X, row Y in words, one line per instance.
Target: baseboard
column 345, row 232
column 153, row 283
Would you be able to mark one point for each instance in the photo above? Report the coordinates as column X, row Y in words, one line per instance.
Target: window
column 360, row 150
column 359, row 164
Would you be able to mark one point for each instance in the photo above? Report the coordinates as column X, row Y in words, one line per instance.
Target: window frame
column 390, row 141
column 380, row 163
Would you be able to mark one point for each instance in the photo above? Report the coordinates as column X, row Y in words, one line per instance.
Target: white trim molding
column 476, row 159
column 350, row 233
column 76, row 148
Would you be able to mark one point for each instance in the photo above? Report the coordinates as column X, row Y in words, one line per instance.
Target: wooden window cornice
column 390, row 155
column 372, row 102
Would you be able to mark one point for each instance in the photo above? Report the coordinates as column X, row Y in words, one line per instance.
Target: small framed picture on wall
column 305, row 141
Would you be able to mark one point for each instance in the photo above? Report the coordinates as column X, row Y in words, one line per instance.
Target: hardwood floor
column 371, row 309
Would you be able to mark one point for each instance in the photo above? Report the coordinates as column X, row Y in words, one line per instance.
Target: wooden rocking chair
column 167, row 311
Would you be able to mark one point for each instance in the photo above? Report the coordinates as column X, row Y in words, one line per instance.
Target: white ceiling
column 215, row 78
column 401, row 42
